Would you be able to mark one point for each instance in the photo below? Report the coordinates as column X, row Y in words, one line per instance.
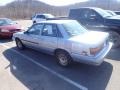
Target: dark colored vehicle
column 8, row 27
column 98, row 19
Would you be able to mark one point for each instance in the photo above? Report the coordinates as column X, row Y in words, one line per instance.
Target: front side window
column 35, row 29
column 87, row 14
column 50, row 30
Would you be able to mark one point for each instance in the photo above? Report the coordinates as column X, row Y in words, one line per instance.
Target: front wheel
column 115, row 38
column 19, row 44
column 63, row 58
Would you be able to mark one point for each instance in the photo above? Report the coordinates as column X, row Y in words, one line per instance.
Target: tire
column 34, row 22
column 115, row 38
column 19, row 44
column 63, row 58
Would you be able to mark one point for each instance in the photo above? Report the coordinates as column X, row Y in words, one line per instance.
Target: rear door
column 49, row 35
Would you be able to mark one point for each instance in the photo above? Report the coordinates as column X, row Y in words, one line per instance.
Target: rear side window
column 76, row 13
column 51, row 30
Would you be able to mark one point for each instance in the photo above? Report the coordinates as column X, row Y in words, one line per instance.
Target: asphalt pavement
column 33, row 70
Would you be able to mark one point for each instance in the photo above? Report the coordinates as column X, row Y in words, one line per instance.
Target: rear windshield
column 73, row 28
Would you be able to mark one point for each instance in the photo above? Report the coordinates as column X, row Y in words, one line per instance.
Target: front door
column 31, row 37
column 91, row 18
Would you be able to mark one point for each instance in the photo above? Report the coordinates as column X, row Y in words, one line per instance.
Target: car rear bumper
column 93, row 60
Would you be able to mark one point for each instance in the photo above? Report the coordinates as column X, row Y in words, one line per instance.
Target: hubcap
column 62, row 59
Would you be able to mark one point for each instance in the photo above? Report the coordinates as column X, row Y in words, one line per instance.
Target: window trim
column 33, row 26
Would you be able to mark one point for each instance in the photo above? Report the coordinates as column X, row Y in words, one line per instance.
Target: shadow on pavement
column 114, row 54
column 92, row 77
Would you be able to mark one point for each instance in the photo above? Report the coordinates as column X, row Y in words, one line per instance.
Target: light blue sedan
column 67, row 40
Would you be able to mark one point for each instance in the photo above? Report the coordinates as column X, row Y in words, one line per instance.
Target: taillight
column 94, row 51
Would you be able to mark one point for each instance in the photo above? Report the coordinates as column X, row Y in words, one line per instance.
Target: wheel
column 115, row 38
column 34, row 22
column 63, row 58
column 19, row 44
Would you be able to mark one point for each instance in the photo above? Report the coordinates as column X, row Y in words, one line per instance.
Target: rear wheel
column 19, row 44
column 115, row 38
column 63, row 58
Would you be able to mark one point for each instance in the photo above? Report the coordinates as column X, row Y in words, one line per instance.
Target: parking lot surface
column 33, row 70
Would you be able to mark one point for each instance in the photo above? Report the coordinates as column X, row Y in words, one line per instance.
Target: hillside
column 26, row 8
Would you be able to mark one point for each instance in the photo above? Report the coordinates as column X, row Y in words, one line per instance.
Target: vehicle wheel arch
column 59, row 49
column 67, row 55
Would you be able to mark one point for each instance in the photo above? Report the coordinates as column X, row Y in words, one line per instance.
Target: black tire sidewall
column 116, row 46
column 19, row 41
column 34, row 22
column 67, row 56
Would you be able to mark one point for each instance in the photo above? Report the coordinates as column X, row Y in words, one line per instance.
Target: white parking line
column 48, row 69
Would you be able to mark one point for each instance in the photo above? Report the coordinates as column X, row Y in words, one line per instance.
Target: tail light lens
column 94, row 51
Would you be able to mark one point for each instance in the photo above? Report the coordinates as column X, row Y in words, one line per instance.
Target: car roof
column 43, row 14
column 57, row 21
column 3, row 18
column 86, row 8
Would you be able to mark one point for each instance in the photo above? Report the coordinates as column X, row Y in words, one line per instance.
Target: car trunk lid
column 91, row 38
